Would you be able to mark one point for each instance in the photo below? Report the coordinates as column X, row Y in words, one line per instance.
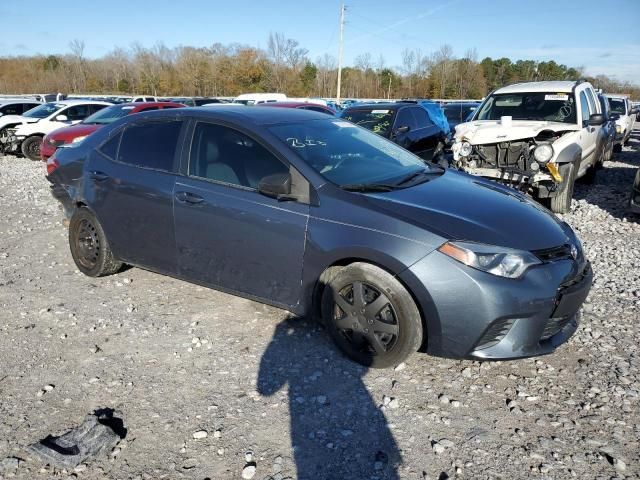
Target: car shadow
column 337, row 429
column 612, row 186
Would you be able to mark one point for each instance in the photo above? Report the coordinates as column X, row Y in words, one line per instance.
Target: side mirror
column 61, row 118
column 277, row 185
column 596, row 119
column 403, row 129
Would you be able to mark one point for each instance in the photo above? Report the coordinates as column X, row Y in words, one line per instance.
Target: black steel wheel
column 371, row 316
column 31, row 147
column 89, row 247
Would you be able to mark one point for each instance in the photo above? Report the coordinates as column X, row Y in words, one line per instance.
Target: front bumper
column 47, row 150
column 476, row 315
column 13, row 143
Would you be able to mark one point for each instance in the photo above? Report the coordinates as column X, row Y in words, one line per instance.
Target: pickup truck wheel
column 31, row 147
column 561, row 203
column 371, row 316
column 89, row 247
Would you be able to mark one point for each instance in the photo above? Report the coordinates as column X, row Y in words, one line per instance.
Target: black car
column 458, row 112
column 405, row 123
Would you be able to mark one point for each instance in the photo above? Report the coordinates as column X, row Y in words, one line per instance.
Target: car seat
column 215, row 169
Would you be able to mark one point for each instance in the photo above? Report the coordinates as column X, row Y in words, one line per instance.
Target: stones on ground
column 200, row 434
column 7, row 465
column 249, row 471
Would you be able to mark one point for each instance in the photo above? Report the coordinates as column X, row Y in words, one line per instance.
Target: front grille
column 508, row 155
column 554, row 325
column 555, row 253
column 495, row 333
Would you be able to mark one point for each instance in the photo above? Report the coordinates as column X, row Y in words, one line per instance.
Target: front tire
column 561, row 203
column 31, row 147
column 89, row 246
column 370, row 316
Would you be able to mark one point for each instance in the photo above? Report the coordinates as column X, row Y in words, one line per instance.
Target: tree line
column 283, row 66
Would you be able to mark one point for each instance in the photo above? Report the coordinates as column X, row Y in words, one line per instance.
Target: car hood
column 464, row 207
column 7, row 119
column 74, row 131
column 481, row 132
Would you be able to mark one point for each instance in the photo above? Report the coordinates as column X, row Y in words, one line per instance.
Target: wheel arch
column 331, row 269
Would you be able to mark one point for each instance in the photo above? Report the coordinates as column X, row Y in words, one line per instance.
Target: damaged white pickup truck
column 538, row 137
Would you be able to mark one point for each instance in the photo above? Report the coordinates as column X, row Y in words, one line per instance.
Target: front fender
column 569, row 153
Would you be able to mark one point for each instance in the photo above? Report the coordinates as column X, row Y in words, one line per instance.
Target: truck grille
column 510, row 155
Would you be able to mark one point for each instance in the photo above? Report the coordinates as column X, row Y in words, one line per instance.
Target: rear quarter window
column 150, row 145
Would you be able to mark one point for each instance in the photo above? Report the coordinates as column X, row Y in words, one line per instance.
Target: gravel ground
column 213, row 386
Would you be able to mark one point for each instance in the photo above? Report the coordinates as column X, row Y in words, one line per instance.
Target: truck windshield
column 617, row 105
column 377, row 120
column 538, row 106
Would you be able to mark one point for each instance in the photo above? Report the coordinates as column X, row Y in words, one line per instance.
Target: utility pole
column 343, row 8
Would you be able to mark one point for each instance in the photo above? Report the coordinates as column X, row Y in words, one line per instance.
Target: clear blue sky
column 601, row 36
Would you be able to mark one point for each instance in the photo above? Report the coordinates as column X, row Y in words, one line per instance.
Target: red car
column 76, row 133
column 315, row 107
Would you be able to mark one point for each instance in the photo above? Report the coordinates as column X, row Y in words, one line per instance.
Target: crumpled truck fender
column 568, row 153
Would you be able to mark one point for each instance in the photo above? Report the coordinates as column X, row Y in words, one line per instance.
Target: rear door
column 427, row 133
column 228, row 235
column 130, row 183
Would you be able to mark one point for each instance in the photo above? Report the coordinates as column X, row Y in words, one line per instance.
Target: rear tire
column 561, row 203
column 89, row 246
column 371, row 317
column 31, row 147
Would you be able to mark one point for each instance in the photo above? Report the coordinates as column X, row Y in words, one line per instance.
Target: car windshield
column 377, row 120
column 43, row 111
column 349, row 155
column 539, row 106
column 108, row 115
column 617, row 105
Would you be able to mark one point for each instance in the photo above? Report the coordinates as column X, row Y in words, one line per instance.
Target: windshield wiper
column 367, row 187
column 425, row 174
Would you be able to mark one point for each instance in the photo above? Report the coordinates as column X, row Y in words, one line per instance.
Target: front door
column 131, row 181
column 230, row 236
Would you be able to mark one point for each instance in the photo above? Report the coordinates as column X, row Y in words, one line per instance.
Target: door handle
column 99, row 176
column 188, row 197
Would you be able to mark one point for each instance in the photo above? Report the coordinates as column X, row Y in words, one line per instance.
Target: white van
column 255, row 98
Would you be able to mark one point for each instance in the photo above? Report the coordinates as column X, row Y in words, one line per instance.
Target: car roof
column 240, row 114
column 559, row 86
column 290, row 104
column 80, row 102
column 8, row 101
column 379, row 106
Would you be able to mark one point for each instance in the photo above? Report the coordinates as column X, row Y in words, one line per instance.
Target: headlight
column 543, row 153
column 465, row 149
column 618, row 128
column 500, row 261
column 79, row 139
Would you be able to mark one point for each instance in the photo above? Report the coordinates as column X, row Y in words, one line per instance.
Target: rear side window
column 150, row 145
column 13, row 109
column 584, row 106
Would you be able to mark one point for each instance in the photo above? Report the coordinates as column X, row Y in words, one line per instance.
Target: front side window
column 405, row 119
column 346, row 154
column 421, row 117
column 592, row 102
column 226, row 155
column 150, row 145
column 378, row 120
column 538, row 106
column 584, row 106
column 77, row 112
